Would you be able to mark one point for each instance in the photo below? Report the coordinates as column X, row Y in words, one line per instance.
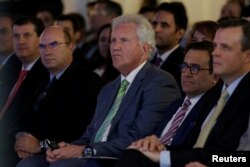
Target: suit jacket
column 11, row 70
column 203, row 106
column 172, row 64
column 226, row 133
column 139, row 113
column 8, row 77
column 66, row 110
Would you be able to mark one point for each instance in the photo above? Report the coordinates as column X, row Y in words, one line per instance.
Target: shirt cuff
column 165, row 159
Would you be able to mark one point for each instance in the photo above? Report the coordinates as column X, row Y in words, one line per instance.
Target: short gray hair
column 144, row 29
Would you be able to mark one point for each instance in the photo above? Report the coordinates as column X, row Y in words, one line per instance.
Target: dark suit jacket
column 11, row 70
column 226, row 133
column 8, row 77
column 202, row 107
column 66, row 110
column 172, row 64
column 139, row 113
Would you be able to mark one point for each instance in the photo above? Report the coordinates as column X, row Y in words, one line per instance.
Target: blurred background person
column 6, row 44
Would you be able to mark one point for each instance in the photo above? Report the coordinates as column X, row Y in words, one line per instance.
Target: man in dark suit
column 198, row 83
column 6, row 44
column 25, row 33
column 135, row 111
column 69, row 95
column 170, row 23
column 232, row 63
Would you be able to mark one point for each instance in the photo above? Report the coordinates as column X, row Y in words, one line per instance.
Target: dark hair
column 47, row 9
column 111, row 7
column 79, row 21
column 246, row 11
column 102, row 28
column 69, row 17
column 245, row 26
column 179, row 12
column 146, row 9
column 204, row 46
column 33, row 20
column 207, row 28
column 67, row 36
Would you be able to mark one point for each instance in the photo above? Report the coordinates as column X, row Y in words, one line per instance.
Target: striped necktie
column 212, row 120
column 166, row 139
column 121, row 92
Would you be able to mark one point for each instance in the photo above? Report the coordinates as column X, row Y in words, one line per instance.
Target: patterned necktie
column 13, row 92
column 166, row 139
column 212, row 120
column 121, row 92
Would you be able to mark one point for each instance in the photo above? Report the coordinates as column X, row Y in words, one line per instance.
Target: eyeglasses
column 51, row 45
column 194, row 68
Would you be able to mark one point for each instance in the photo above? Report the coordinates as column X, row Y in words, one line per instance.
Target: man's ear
column 180, row 33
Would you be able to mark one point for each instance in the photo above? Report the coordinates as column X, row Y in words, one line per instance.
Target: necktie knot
column 224, row 94
column 124, row 84
column 186, row 103
column 23, row 73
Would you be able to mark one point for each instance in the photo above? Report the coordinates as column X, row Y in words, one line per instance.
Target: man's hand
column 26, row 145
column 64, row 151
column 23, row 154
column 149, row 143
column 152, row 155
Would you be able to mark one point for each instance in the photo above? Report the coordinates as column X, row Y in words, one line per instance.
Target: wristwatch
column 88, row 151
column 43, row 145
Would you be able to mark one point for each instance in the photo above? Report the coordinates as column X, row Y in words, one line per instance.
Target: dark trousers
column 134, row 158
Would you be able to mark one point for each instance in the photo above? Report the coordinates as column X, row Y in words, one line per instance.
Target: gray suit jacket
column 139, row 113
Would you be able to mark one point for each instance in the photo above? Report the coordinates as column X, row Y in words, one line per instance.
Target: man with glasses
column 65, row 102
column 228, row 119
column 199, row 83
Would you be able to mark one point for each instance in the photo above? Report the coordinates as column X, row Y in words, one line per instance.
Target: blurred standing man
column 170, row 23
column 6, row 44
column 130, row 113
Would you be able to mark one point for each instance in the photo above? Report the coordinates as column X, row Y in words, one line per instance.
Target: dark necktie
column 158, row 61
column 42, row 95
column 166, row 139
column 14, row 91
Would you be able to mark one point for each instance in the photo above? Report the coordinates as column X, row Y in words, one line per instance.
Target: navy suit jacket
column 172, row 63
column 202, row 107
column 226, row 133
column 139, row 113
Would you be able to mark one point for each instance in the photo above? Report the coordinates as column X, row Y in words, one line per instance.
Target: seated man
column 128, row 108
column 227, row 121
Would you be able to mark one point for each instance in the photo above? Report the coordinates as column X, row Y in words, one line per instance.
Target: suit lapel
column 131, row 93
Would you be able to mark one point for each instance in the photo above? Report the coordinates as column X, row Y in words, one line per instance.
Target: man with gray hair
column 128, row 108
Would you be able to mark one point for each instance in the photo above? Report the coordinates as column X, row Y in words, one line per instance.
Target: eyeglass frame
column 51, row 45
column 193, row 68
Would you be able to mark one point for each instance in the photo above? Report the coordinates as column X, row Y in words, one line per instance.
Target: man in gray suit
column 117, row 122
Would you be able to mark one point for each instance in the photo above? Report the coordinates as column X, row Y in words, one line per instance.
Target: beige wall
column 196, row 9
